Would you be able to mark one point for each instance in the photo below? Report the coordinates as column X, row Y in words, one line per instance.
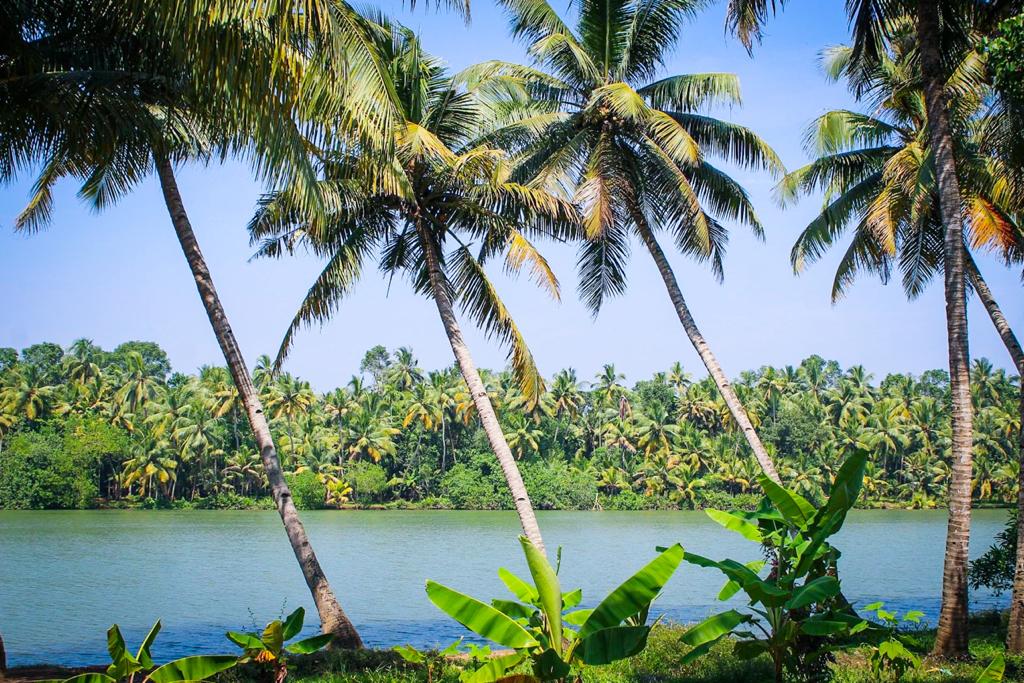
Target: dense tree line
column 86, row 427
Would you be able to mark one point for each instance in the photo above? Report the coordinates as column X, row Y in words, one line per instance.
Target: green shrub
column 558, row 486
column 710, row 498
column 471, row 488
column 37, row 473
column 368, row 481
column 308, row 492
column 629, row 500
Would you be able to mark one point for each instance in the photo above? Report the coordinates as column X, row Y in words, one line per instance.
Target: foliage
column 667, row 442
column 892, row 657
column 994, row 569
column 127, row 667
column 38, row 472
column 270, row 647
column 537, row 626
column 307, row 490
column 798, row 607
column 1006, row 58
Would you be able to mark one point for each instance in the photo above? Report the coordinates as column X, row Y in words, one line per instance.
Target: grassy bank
column 659, row 663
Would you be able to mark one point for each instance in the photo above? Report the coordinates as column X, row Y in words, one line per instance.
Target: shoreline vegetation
column 662, row 660
column 83, row 427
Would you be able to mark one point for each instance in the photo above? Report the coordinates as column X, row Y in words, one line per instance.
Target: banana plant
column 544, row 626
column 797, row 608
column 127, row 667
column 270, row 646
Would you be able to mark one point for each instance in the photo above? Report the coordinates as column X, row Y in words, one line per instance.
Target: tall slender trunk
column 332, row 616
column 478, row 391
column 1015, row 629
column 739, row 414
column 952, row 637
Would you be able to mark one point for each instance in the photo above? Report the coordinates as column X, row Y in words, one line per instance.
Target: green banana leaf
column 144, row 658
column 732, row 587
column 794, row 507
column 273, row 636
column 550, row 666
column 86, row 678
column 548, row 589
column 196, row 668
column 512, row 608
column 409, row 654
column 735, row 523
column 310, row 645
column 293, row 623
column 523, row 591
column 572, row 598
column 714, row 627
column 830, row 517
column 482, row 619
column 758, row 590
column 819, row 589
column 121, row 663
column 612, row 644
column 577, row 618
column 493, row 670
column 246, row 641
column 635, row 593
column 993, row 673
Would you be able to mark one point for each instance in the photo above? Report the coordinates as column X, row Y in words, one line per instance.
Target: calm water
column 66, row 576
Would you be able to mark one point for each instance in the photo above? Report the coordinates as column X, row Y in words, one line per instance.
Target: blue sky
column 120, row 275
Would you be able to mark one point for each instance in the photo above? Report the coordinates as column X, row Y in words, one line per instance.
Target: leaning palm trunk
column 739, row 414
column 332, row 616
column 482, row 402
column 1015, row 629
column 952, row 637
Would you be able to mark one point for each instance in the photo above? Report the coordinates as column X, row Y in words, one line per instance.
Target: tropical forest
column 556, row 355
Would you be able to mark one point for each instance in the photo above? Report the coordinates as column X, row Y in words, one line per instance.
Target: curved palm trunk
column 332, row 616
column 481, row 400
column 1015, row 629
column 739, row 414
column 952, row 637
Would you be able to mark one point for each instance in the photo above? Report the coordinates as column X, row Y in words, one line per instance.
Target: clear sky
column 120, row 275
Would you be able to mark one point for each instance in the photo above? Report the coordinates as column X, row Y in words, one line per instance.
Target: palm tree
column 880, row 174
column 27, row 395
column 944, row 34
column 439, row 189
column 107, row 93
column 635, row 150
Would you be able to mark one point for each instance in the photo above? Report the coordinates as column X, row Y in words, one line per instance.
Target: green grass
column 659, row 663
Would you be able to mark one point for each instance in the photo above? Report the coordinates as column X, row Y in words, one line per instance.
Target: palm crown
column 633, row 150
column 443, row 196
column 877, row 173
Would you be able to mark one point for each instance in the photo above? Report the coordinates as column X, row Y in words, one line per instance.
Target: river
column 66, row 576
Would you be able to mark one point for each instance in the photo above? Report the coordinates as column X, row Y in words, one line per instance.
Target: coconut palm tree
column 636, row 151
column 421, row 213
column 107, row 93
column 944, row 32
column 879, row 172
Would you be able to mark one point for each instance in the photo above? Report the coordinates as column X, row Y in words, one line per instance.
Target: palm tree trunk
column 332, row 616
column 952, row 637
column 484, row 409
column 704, row 351
column 1015, row 629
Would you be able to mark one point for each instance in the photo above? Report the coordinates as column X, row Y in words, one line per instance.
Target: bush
column 709, row 498
column 230, row 501
column 629, row 500
column 368, row 481
column 474, row 485
column 37, row 473
column 557, row 486
column 308, row 492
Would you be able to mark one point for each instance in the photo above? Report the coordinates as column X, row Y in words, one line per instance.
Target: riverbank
column 742, row 501
column 660, row 662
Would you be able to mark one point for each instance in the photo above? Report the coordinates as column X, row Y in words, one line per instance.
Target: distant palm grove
column 87, row 427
